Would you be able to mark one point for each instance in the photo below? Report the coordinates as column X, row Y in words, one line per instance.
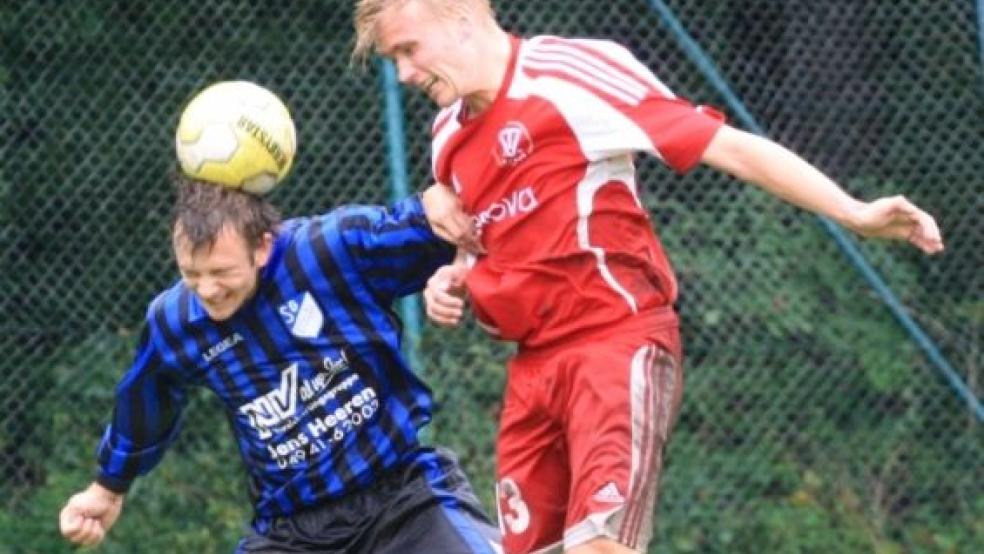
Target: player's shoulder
column 172, row 307
column 335, row 225
column 557, row 41
column 343, row 217
column 560, row 67
column 294, row 229
column 166, row 298
column 309, row 233
column 577, row 48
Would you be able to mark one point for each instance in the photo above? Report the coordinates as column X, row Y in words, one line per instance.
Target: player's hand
column 448, row 219
column 896, row 218
column 444, row 296
column 87, row 516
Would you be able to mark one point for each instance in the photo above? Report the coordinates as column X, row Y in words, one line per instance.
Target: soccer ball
column 236, row 134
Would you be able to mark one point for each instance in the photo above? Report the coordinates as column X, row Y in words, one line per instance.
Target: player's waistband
column 379, row 474
column 650, row 321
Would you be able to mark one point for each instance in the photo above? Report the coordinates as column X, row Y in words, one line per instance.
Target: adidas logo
column 609, row 494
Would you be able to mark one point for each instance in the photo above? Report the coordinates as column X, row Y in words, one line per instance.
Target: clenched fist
column 88, row 515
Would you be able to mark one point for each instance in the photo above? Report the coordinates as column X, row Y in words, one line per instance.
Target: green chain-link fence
column 812, row 422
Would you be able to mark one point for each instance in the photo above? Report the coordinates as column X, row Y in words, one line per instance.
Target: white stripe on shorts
column 653, row 391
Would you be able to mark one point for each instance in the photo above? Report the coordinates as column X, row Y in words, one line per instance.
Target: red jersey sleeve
column 616, row 105
column 679, row 131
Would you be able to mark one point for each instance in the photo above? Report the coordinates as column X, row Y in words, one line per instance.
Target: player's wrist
column 109, row 493
column 110, row 487
column 849, row 214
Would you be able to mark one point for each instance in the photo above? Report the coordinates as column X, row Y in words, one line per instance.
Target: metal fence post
column 399, row 188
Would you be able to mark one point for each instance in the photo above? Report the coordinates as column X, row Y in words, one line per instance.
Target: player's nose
column 404, row 71
column 208, row 289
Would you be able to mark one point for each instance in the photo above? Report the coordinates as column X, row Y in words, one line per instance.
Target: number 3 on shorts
column 514, row 517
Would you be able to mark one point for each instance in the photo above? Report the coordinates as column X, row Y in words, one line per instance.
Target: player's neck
column 494, row 64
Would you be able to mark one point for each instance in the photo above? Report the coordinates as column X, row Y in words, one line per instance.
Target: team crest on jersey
column 513, row 144
column 303, row 316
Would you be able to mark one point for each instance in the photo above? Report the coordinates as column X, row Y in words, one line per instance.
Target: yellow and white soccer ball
column 236, row 134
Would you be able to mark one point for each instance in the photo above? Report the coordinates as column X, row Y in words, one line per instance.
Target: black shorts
column 426, row 507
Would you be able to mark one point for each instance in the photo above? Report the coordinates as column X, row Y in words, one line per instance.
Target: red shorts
column 581, row 437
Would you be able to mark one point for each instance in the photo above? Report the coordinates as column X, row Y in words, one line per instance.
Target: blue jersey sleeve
column 394, row 247
column 146, row 419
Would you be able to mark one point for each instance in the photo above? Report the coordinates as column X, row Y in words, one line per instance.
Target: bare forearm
column 780, row 172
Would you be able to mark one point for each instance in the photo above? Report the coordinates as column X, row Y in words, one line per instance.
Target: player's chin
column 442, row 97
column 443, row 103
column 219, row 314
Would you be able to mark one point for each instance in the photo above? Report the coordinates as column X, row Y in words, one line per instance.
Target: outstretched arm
column 777, row 170
column 88, row 515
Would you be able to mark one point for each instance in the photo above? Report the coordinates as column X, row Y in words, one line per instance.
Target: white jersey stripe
column 602, row 131
column 579, row 75
column 598, row 175
column 593, row 66
column 607, row 53
column 621, row 55
column 445, row 133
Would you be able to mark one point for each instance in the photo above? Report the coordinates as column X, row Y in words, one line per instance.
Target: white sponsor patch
column 303, row 316
column 274, row 411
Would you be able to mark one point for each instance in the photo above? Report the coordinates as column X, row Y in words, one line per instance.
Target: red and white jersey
column 547, row 172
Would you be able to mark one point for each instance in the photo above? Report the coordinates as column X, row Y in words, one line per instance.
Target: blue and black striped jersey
column 309, row 370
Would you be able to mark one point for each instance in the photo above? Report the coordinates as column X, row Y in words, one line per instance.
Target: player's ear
column 464, row 20
column 179, row 242
column 261, row 255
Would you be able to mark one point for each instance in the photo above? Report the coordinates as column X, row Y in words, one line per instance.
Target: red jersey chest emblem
column 513, row 144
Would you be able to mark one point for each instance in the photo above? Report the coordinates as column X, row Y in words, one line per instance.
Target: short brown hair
column 367, row 14
column 203, row 209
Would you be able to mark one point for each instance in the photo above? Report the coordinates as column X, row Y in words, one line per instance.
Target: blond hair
column 367, row 14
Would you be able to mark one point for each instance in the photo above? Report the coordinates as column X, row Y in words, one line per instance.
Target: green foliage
column 203, row 478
